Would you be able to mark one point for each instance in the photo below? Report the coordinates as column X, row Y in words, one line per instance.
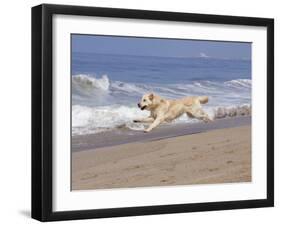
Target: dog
column 164, row 110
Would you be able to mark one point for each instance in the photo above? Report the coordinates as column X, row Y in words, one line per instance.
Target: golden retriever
column 164, row 110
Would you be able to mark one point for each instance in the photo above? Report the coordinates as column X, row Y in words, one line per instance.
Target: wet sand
column 123, row 135
column 218, row 152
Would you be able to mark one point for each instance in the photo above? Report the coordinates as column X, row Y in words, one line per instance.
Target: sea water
column 106, row 88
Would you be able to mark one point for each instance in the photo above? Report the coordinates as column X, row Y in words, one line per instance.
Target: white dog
column 163, row 110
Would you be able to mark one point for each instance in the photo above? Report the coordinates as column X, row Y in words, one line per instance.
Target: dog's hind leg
column 199, row 114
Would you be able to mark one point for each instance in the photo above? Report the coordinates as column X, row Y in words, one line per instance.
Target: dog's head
column 149, row 101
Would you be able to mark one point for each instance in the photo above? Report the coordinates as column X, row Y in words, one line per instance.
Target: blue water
column 106, row 88
column 155, row 70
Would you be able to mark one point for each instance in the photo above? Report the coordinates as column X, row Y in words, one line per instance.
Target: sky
column 160, row 47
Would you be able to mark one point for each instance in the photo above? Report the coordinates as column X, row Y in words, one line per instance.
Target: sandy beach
column 218, row 152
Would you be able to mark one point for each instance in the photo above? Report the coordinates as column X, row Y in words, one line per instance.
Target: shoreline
column 126, row 136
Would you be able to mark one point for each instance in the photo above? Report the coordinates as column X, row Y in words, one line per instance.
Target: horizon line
column 185, row 57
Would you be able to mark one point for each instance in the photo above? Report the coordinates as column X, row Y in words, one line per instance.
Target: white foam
column 97, row 119
column 87, row 120
column 232, row 111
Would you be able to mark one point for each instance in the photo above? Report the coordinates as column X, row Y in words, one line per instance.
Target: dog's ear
column 151, row 96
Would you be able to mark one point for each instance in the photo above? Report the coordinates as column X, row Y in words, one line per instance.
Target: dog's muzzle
column 142, row 108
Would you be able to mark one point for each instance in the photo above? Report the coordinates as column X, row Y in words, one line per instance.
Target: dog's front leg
column 149, row 119
column 156, row 122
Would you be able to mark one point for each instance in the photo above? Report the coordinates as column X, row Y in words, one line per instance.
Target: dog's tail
column 203, row 99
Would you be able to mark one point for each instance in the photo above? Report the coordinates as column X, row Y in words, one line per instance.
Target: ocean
column 106, row 88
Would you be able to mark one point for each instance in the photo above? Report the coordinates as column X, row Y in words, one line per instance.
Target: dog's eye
column 144, row 100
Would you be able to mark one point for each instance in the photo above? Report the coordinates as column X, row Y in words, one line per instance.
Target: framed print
column 145, row 112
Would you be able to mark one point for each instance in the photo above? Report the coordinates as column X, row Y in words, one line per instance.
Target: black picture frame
column 42, row 107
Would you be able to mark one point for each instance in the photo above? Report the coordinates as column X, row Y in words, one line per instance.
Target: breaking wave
column 86, row 85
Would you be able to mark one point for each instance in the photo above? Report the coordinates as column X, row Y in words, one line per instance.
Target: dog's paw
column 146, row 131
